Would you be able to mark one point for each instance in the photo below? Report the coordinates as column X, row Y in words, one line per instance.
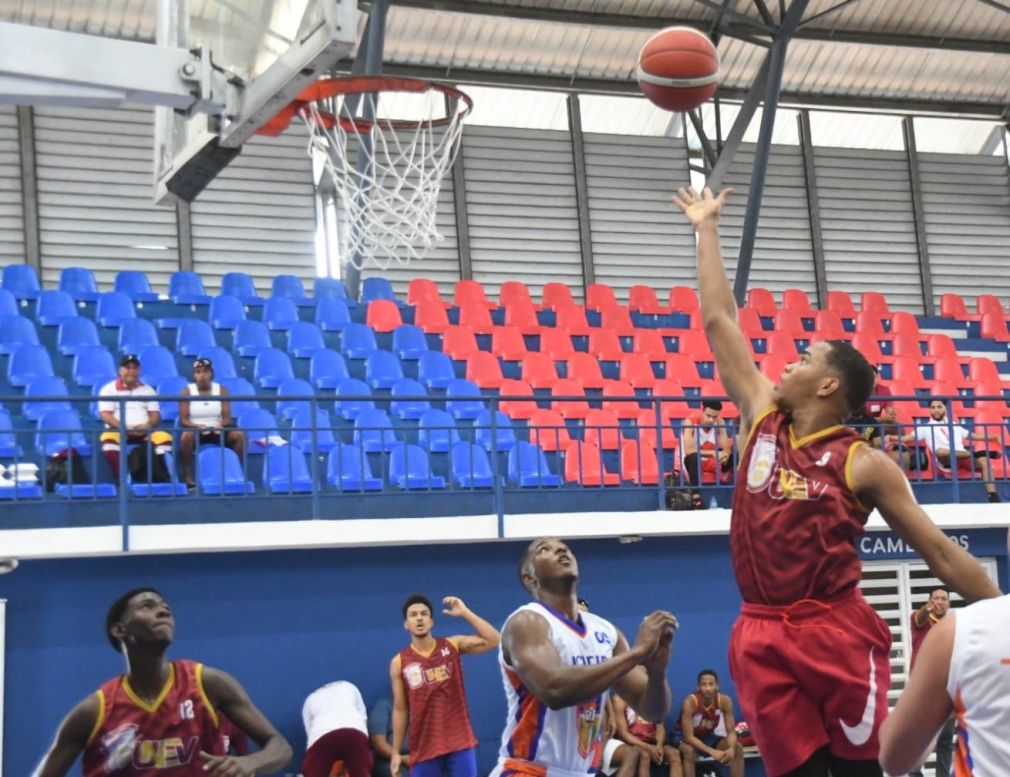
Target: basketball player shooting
column 809, row 656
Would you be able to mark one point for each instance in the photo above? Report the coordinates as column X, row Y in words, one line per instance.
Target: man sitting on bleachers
column 142, row 416
column 948, row 441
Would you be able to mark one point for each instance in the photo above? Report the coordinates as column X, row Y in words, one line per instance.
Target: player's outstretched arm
column 400, row 714
column 748, row 388
column 645, row 687
column 878, row 482
column 228, row 695
column 487, row 636
column 908, row 733
column 71, row 739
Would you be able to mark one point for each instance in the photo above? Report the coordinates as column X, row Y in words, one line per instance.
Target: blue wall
column 286, row 622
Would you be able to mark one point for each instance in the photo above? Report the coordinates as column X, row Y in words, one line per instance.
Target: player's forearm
column 274, row 756
column 961, row 571
column 655, row 698
column 382, row 747
column 399, row 729
column 483, row 629
column 717, row 301
column 570, row 685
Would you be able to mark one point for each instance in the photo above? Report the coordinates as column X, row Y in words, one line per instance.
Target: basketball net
column 387, row 172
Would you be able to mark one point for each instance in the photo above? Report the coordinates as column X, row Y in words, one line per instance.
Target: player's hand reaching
column 394, row 764
column 454, row 606
column 655, row 639
column 225, row 766
column 700, row 207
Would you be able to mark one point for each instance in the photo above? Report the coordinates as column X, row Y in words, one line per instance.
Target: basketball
column 678, row 68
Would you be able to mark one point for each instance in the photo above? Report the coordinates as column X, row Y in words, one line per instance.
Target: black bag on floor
column 677, row 498
column 65, row 467
column 136, row 464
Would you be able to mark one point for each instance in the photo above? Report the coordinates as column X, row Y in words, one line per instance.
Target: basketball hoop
column 387, row 172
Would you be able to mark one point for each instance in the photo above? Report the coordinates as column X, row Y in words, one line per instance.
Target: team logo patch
column 588, row 717
column 762, row 462
column 414, row 675
column 119, row 746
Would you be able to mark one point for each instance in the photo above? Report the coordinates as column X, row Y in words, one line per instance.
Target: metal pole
column 581, row 190
column 29, row 188
column 813, row 208
column 459, row 206
column 919, row 214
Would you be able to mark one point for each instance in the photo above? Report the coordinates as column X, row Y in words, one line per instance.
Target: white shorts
column 608, row 753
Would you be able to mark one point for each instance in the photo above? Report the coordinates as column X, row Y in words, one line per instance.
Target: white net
column 387, row 177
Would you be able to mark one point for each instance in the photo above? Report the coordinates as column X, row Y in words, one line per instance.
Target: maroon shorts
column 809, row 675
column 343, row 744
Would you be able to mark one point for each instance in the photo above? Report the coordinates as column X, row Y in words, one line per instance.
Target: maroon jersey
column 919, row 634
column 439, row 721
column 795, row 519
column 639, row 726
column 706, row 719
column 163, row 739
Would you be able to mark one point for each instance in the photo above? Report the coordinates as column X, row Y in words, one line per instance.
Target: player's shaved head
column 525, row 567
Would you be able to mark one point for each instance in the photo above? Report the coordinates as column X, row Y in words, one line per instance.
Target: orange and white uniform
column 541, row 742
column 979, row 685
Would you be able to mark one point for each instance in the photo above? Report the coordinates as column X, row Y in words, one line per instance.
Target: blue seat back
column 27, row 362
column 289, row 286
column 463, row 398
column 374, row 431
column 220, row 466
column 21, row 281
column 93, row 364
column 285, row 469
column 409, row 342
column 135, row 335
column 409, row 408
column 286, row 408
column 44, row 386
column 527, row 463
column 186, row 286
column 434, row 370
column 332, row 315
column 59, row 430
column 224, row 365
column 409, row 462
column 352, row 387
column 329, row 288
column 135, row 285
column 304, row 338
column 75, row 333
column 382, row 369
column 357, row 341
column 79, row 283
column 272, row 367
column 327, row 368
column 226, row 311
column 436, row 431
column 258, row 425
column 16, row 331
column 504, row 432
column 239, row 284
column 348, row 466
column 279, row 313
column 239, row 387
column 170, row 385
column 193, row 335
column 8, row 304
column 8, row 440
column 156, row 363
column 53, row 306
column 470, row 465
column 301, row 430
column 114, row 308
column 251, row 337
column 376, row 288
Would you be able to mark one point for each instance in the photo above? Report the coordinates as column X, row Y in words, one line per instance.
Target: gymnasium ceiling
column 950, row 56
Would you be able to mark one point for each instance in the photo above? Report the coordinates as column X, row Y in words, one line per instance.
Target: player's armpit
column 72, row 737
column 228, row 695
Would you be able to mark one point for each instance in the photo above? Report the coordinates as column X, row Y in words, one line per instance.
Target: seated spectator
column 380, row 732
column 649, row 739
column 142, row 415
column 882, row 432
column 948, row 441
column 706, row 447
column 210, row 416
column 878, row 401
column 708, row 726
column 335, row 725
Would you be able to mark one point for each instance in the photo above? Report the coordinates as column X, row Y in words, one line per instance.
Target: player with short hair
column 809, row 656
column 161, row 714
column 708, row 726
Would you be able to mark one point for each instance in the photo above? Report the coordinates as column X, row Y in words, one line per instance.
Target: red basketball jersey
column 639, row 726
column 439, row 721
column 795, row 519
column 705, row 719
column 163, row 739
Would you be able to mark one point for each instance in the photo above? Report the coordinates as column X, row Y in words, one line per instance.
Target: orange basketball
column 678, row 68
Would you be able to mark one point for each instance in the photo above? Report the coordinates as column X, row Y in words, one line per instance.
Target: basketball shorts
column 609, row 749
column 817, row 670
column 461, row 763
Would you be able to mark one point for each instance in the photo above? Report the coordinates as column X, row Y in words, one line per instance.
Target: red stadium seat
column 584, row 465
column 470, row 291
column 682, row 368
column 556, row 295
column 989, row 303
column 585, row 370
column 477, row 317
column 714, row 388
column 569, row 408
column 603, row 430
column 990, row 434
column 615, row 389
column 431, row 316
column 868, row 345
column 903, row 322
column 647, row 429
column 650, row 342
column 674, row 403
column 600, row 296
column 791, row 322
column 484, row 369
column 750, row 322
column 458, row 342
column 507, row 342
column 605, row 344
column 782, row 343
column 950, row 369
column 773, row 365
column 797, row 300
column 572, row 318
column 516, row 409
column 941, row 346
column 618, row 320
column 694, row 342
column 874, row 302
column 642, row 299
column 982, row 368
column 556, row 342
column 841, row 303
column 994, row 327
column 548, row 430
column 684, row 299
column 907, row 344
column 906, row 368
column 828, row 326
column 639, row 462
column 539, row 370
column 383, row 315
column 514, row 293
column 523, row 316
column 953, row 306
column 763, row 301
column 423, row 290
column 636, row 369
column 868, row 323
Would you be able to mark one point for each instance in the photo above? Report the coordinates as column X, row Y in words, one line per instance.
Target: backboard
column 270, row 50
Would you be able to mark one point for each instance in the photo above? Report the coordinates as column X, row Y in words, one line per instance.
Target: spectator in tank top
column 209, row 418
column 707, row 448
column 648, row 738
column 708, row 726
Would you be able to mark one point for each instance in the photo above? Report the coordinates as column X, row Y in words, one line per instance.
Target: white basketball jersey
column 556, row 743
column 979, row 685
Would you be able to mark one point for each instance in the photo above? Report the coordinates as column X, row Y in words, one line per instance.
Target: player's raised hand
column 655, row 638
column 701, row 207
column 224, row 766
column 454, row 606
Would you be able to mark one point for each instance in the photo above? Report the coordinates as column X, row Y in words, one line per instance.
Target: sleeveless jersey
column 707, row 720
column 979, row 685
column 542, row 742
column 205, row 412
column 439, row 721
column 639, row 726
column 163, row 739
column 795, row 519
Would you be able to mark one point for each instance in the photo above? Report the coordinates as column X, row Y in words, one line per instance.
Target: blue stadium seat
column 142, row 488
column 239, row 387
column 357, row 341
column 193, row 336
column 135, row 335
column 8, row 304
column 224, row 365
column 373, row 431
column 16, row 331
column 241, row 285
column 301, row 431
column 289, row 286
column 505, row 434
column 114, row 308
column 59, row 430
column 53, row 307
column 470, row 467
column 409, row 408
column 330, row 288
column 219, row 471
column 44, row 386
column 79, row 283
column 156, row 363
column 8, row 440
column 96, row 389
column 27, row 362
column 463, row 399
column 434, row 370
column 135, row 285
column 272, row 368
column 332, row 315
column 250, row 338
column 409, row 342
column 226, row 312
column 327, row 368
column 348, row 469
column 376, row 288
column 259, row 426
column 529, row 468
column 349, row 408
column 304, row 339
column 21, row 281
column 437, row 432
column 75, row 333
column 382, row 369
column 93, row 365
column 185, row 287
column 170, row 385
column 285, row 471
column 279, row 313
column 286, row 408
column 409, row 468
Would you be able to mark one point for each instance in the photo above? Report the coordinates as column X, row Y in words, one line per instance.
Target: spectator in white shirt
column 336, row 725
column 949, row 441
column 142, row 415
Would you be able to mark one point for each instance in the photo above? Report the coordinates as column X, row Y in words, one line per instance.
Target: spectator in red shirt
column 925, row 618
